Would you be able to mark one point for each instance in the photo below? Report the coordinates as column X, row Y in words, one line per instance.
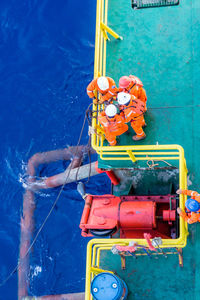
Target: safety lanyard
column 131, row 87
column 135, row 118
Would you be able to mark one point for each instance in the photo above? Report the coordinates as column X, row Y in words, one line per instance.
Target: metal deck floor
column 161, row 46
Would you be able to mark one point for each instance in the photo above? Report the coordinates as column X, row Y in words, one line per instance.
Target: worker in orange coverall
column 133, row 110
column 134, row 86
column 113, row 123
column 105, row 86
column 192, row 214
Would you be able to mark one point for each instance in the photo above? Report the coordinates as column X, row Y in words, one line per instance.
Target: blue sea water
column 46, row 62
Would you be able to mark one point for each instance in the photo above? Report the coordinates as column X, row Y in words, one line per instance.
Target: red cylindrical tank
column 137, row 214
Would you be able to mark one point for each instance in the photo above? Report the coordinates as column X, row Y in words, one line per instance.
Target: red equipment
column 169, row 215
column 137, row 214
column 132, row 215
column 110, row 174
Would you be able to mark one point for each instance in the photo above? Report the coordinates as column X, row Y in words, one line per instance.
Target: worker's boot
column 114, row 143
column 138, row 138
column 144, row 125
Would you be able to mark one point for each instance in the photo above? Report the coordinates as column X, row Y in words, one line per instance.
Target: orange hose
column 27, row 220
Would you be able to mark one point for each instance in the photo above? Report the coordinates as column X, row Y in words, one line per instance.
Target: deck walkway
column 162, row 47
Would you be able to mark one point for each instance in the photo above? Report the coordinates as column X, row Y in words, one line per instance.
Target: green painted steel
column 156, row 277
column 147, row 181
column 162, row 47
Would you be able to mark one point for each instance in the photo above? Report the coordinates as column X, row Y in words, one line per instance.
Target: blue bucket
column 107, row 286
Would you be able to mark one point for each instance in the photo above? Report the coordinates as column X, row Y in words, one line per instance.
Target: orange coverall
column 104, row 95
column 136, row 88
column 136, row 119
column 113, row 127
column 191, row 217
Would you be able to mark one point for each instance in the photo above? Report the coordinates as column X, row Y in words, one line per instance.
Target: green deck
column 162, row 47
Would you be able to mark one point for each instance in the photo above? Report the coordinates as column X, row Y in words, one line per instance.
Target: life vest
column 135, row 90
column 110, row 125
column 134, row 110
column 194, row 216
column 136, row 80
column 114, row 126
column 190, row 217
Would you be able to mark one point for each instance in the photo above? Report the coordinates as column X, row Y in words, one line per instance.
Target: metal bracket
column 131, row 155
column 105, row 29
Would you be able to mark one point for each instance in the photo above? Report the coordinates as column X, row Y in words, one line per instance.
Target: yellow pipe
column 140, row 148
column 137, row 158
column 101, row 40
column 97, row 37
column 99, row 252
column 104, row 50
column 99, row 247
column 132, row 157
column 94, row 253
column 109, row 30
column 144, row 153
column 98, row 270
column 166, row 242
column 88, row 273
column 135, row 147
column 137, row 151
column 123, row 150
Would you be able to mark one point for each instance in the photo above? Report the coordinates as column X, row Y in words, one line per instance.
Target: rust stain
column 131, row 273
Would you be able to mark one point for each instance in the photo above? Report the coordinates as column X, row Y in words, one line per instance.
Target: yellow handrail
column 126, row 152
column 96, row 246
column 100, row 59
column 132, row 153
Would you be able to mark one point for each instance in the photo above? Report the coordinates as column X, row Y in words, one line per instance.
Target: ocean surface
column 46, row 62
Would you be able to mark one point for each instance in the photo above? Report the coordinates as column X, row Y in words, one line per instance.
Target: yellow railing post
column 98, row 270
column 99, row 129
column 106, row 29
column 132, row 157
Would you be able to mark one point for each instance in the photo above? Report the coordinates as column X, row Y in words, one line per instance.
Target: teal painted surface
column 162, row 47
column 147, row 182
column 155, row 278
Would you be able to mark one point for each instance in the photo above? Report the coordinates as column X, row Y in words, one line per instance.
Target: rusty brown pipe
column 27, row 220
column 75, row 296
column 51, row 156
column 71, row 174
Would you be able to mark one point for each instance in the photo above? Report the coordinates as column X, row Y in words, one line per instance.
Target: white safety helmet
column 123, row 98
column 111, row 110
column 103, row 83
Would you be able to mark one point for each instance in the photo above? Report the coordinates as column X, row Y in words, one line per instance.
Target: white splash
column 37, row 270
